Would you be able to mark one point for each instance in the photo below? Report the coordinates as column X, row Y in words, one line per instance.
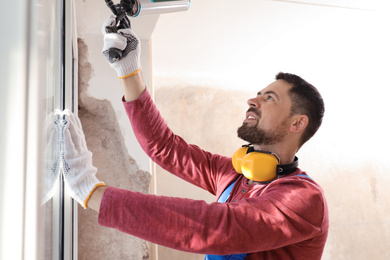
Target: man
column 277, row 214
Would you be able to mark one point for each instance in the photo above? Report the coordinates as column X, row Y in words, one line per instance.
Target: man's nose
column 254, row 102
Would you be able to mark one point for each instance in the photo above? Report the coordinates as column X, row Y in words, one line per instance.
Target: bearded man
column 268, row 208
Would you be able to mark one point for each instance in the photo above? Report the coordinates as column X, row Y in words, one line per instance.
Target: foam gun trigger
column 121, row 22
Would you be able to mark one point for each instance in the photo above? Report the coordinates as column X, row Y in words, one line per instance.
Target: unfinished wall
column 115, row 167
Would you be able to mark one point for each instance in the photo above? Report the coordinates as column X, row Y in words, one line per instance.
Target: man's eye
column 269, row 98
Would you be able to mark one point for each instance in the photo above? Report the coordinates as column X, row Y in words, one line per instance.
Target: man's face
column 267, row 119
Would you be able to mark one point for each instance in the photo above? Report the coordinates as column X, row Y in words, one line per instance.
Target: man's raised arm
column 133, row 86
column 122, row 49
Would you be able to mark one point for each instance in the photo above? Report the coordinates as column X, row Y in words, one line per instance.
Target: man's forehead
column 279, row 86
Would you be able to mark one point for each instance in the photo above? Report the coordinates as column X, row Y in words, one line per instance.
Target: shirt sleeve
column 286, row 213
column 173, row 153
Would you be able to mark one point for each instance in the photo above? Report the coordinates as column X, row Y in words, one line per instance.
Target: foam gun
column 133, row 8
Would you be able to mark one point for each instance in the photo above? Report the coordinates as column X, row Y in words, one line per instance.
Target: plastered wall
column 357, row 193
column 199, row 114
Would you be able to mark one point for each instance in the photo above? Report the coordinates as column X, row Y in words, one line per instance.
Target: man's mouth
column 252, row 114
column 250, row 117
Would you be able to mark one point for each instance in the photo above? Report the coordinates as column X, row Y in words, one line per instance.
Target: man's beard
column 255, row 135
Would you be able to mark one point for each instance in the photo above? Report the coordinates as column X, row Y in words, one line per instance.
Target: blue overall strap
column 223, row 198
column 226, row 193
column 303, row 175
column 225, row 257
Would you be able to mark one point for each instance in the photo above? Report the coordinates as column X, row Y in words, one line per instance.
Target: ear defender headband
column 260, row 165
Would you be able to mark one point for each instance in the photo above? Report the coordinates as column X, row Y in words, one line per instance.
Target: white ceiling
column 378, row 5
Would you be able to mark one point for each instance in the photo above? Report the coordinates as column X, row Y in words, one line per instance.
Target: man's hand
column 52, row 155
column 125, row 44
column 79, row 173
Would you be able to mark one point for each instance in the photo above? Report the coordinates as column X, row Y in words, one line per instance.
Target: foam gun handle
column 122, row 22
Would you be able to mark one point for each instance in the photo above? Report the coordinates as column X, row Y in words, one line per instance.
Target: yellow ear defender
column 259, row 165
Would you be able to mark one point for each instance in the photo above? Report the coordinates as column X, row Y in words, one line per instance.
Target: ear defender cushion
column 256, row 165
column 237, row 158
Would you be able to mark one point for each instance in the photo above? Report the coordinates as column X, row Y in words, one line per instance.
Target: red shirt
column 286, row 219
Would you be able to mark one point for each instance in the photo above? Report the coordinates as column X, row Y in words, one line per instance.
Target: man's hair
column 305, row 100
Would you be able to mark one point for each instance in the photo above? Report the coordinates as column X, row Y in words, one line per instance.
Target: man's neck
column 250, row 182
column 284, row 154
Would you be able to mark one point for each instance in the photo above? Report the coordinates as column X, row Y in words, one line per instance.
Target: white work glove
column 52, row 158
column 126, row 41
column 79, row 173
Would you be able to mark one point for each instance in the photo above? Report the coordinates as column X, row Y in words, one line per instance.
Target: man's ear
column 299, row 123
